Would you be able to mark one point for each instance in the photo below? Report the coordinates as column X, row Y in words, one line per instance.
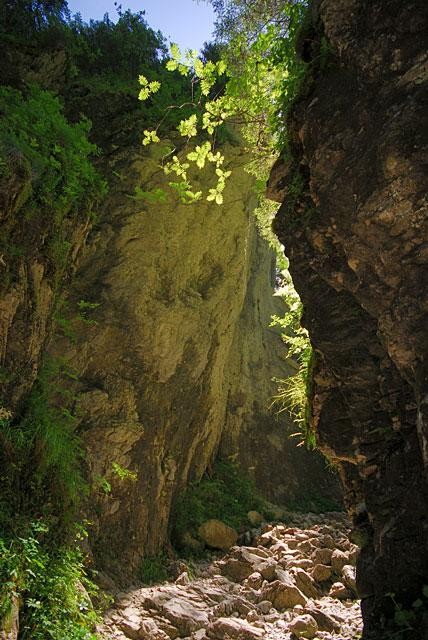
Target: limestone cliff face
column 262, row 443
column 31, row 269
column 356, row 236
column 176, row 360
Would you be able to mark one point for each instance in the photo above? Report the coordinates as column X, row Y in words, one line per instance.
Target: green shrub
column 62, row 176
column 40, row 457
column 52, row 586
column 226, row 495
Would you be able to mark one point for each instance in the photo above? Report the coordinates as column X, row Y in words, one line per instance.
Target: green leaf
column 149, row 137
column 199, row 68
column 154, row 86
column 175, row 51
column 188, row 127
column 144, row 94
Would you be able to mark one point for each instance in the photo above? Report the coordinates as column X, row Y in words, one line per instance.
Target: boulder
column 338, row 561
column 305, row 547
column 305, row 583
column 283, row 594
column 327, row 541
column 321, row 573
column 236, row 570
column 268, row 569
column 264, row 606
column 217, row 534
column 254, row 580
column 233, row 628
column 322, row 555
column 304, row 626
column 303, row 563
column 185, row 612
column 130, row 623
column 324, row 621
column 150, row 631
column 339, row 591
column 348, row 575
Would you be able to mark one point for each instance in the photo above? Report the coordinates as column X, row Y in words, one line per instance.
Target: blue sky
column 187, row 22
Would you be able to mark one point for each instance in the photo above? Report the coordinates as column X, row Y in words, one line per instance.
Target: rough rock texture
column 356, row 235
column 30, row 272
column 285, row 473
column 216, row 605
column 172, row 360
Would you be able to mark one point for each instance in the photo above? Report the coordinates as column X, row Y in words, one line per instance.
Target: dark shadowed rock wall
column 357, row 238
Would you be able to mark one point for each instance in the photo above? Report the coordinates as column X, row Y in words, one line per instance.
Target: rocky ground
column 294, row 580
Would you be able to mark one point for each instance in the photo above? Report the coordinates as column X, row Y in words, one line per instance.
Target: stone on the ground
column 283, row 595
column 217, row 534
column 304, row 626
column 338, row 561
column 234, row 598
column 305, row 583
column 339, row 591
column 321, row 573
column 348, row 575
column 233, row 628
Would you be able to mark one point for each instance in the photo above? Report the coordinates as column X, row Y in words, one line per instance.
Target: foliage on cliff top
column 249, row 83
column 24, row 19
column 33, row 127
column 259, row 45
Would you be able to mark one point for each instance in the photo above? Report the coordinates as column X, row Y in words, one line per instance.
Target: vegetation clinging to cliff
column 56, row 153
column 293, row 393
column 49, row 186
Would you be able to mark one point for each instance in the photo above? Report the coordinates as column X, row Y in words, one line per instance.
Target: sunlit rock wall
column 176, row 362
